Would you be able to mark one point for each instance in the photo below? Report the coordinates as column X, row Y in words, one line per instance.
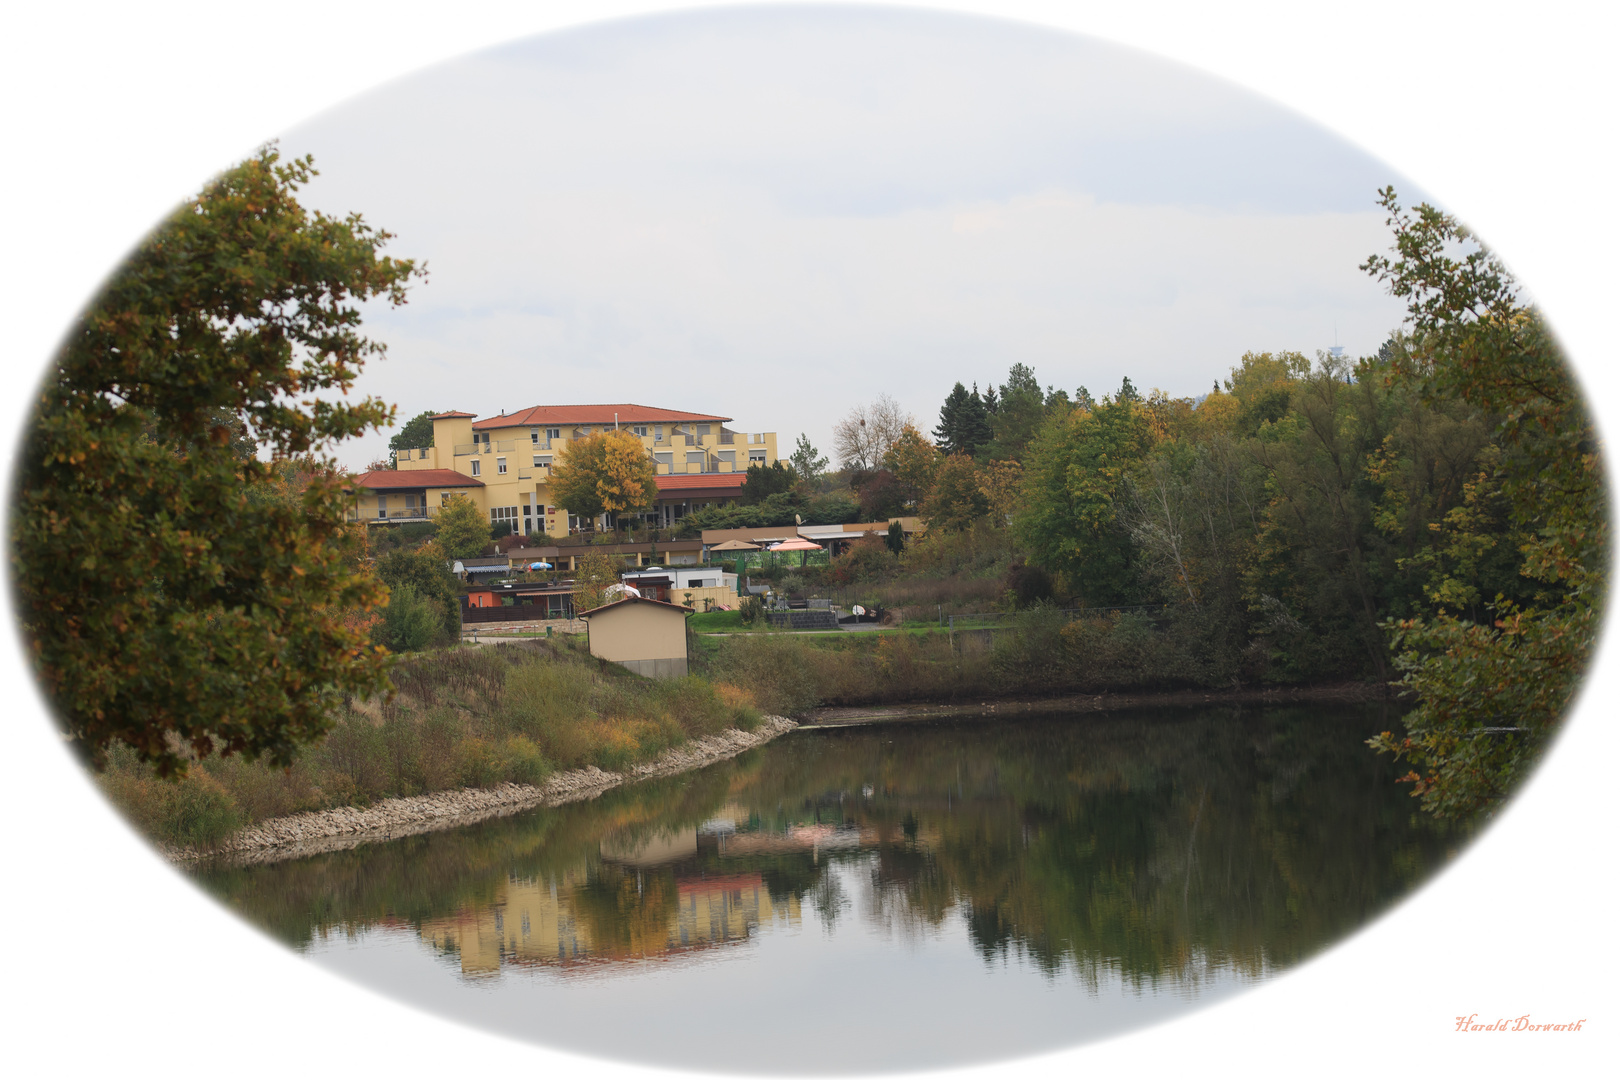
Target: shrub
column 195, row 811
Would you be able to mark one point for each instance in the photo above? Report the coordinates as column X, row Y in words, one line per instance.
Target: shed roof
column 634, row 600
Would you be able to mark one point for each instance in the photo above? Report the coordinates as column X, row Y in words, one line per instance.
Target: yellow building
column 503, row 464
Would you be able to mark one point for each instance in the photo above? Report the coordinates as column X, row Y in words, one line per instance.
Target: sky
column 778, row 214
column 113, row 112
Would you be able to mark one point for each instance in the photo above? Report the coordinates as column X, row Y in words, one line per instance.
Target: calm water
column 883, row 897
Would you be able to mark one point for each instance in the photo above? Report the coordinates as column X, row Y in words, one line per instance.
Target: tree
column 417, row 434
column 461, row 528
column 807, row 461
column 1017, row 416
column 895, row 539
column 596, row 571
column 1074, row 476
column 914, row 461
column 761, row 482
column 1491, row 693
column 957, row 500
column 426, row 571
column 862, row 438
column 166, row 607
column 964, row 423
column 601, row 474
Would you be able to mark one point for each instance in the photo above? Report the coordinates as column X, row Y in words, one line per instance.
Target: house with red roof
column 503, row 463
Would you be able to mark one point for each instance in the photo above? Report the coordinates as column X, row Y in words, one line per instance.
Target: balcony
column 393, row 515
column 466, row 448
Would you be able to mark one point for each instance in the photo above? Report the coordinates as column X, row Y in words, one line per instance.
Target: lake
column 887, row 897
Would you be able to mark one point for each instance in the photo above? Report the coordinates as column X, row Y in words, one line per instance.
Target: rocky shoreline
column 345, row 827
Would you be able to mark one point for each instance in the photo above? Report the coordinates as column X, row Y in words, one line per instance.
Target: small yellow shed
column 646, row 636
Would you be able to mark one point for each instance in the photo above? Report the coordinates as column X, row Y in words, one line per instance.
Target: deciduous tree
column 165, row 606
column 461, row 528
column 601, row 474
column 862, row 438
column 415, row 435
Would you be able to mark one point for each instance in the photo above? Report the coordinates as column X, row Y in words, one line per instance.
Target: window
column 703, row 429
column 504, row 513
column 382, row 506
column 756, row 457
column 475, row 466
column 552, row 433
column 534, row 435
column 641, row 431
column 658, row 433
column 500, row 466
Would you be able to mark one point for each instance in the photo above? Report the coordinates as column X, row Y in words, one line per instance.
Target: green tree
column 601, row 474
column 895, row 539
column 1491, row 693
column 914, row 461
column 1018, row 415
column 426, row 573
column 964, row 423
column 957, row 500
column 461, row 528
column 415, row 435
column 807, row 462
column 166, row 608
column 1074, row 478
column 762, row 481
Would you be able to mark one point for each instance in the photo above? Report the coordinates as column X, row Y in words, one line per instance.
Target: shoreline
column 860, row 715
column 317, row 831
column 343, row 827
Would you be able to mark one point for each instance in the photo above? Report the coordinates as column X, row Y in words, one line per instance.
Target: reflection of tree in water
column 1155, row 847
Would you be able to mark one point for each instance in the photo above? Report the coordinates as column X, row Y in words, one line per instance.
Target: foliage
column 807, row 462
column 957, row 500
column 416, row 434
column 762, row 482
column 1017, row 417
column 595, row 572
column 881, row 494
column 463, row 530
column 914, row 461
column 862, row 438
column 609, row 473
column 895, row 538
column 964, row 422
column 426, row 573
column 167, row 607
column 410, row 621
column 1491, row 694
column 1075, row 476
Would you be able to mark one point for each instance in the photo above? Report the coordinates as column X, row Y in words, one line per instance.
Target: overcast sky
column 778, row 214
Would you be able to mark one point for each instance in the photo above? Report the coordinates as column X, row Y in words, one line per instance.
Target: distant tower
column 1337, row 351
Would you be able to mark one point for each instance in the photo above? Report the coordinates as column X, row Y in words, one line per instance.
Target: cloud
column 779, row 213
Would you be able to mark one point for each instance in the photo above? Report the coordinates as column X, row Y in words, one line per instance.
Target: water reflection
column 1155, row 849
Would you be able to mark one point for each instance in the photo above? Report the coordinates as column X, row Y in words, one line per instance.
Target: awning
column 489, row 569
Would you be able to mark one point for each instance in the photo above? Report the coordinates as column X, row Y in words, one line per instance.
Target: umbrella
column 735, row 545
column 799, row 544
column 539, row 566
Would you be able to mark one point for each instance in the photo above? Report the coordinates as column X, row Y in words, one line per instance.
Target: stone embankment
column 346, row 826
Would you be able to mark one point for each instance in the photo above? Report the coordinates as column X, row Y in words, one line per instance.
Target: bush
column 410, row 621
column 195, row 811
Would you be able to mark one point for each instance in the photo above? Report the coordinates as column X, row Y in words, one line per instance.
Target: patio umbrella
column 735, row 545
column 799, row 544
column 539, row 566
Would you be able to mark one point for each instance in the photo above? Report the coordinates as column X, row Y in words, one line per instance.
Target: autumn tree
column 164, row 605
column 595, row 572
column 461, row 529
column 1491, row 693
column 601, row 474
column 957, row 500
column 862, row 438
column 914, row 461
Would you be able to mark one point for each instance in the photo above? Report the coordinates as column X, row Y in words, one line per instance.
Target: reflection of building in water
column 636, row 908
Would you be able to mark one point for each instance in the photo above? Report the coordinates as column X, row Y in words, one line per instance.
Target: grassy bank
column 1041, row 652
column 464, row 717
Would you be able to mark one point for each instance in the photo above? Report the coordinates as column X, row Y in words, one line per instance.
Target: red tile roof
column 389, row 479
column 562, row 415
column 685, row 481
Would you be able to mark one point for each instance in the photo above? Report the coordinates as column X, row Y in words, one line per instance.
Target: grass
column 459, row 717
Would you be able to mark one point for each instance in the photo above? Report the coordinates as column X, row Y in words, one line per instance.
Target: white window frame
column 500, row 466
column 475, row 466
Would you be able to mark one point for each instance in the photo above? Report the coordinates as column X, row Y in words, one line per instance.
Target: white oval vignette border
column 114, row 112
